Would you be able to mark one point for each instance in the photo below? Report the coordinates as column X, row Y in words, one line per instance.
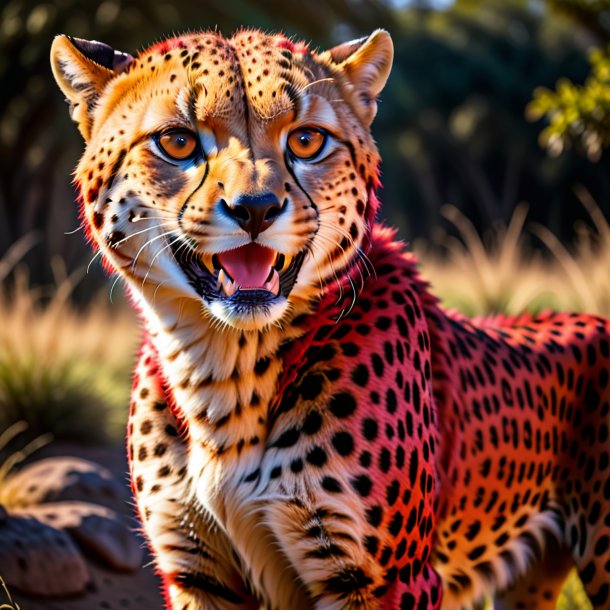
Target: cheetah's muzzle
column 246, row 278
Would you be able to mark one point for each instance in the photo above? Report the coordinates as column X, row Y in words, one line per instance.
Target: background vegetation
column 493, row 131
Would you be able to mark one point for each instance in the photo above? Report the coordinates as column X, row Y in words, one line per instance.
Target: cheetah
column 308, row 427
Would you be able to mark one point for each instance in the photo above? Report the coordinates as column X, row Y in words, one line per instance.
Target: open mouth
column 249, row 275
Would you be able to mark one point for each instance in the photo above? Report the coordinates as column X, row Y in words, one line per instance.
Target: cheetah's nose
column 254, row 213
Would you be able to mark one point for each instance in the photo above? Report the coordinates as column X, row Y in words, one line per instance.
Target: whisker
column 98, row 253
column 309, row 248
column 155, row 293
column 315, row 82
column 148, row 243
column 79, row 228
column 152, row 262
column 114, row 283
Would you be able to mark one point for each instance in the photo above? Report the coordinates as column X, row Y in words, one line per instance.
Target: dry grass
column 63, row 371
column 500, row 274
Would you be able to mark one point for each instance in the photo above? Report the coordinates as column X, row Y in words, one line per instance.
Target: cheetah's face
column 235, row 171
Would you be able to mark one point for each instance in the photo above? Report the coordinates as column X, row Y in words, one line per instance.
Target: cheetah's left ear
column 82, row 68
column 366, row 63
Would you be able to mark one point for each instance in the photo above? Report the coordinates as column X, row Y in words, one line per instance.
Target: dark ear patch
column 103, row 54
column 83, row 69
column 341, row 52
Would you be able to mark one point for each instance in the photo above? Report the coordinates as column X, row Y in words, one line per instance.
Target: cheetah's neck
column 224, row 380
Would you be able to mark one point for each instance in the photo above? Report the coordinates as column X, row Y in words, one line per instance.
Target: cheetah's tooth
column 226, row 284
column 221, row 279
column 273, row 285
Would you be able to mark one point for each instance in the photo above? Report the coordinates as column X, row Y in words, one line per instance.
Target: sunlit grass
column 501, row 274
column 64, row 371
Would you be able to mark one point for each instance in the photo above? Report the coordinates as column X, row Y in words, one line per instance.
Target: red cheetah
column 308, row 428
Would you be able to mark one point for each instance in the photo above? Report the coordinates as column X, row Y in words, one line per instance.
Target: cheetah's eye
column 306, row 142
column 178, row 144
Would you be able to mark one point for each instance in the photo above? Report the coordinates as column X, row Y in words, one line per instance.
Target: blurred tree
column 451, row 125
column 452, row 129
column 579, row 114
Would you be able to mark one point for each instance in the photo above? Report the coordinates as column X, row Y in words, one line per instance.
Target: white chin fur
column 255, row 320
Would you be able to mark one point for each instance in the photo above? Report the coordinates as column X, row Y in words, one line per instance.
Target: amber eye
column 178, row 144
column 306, row 142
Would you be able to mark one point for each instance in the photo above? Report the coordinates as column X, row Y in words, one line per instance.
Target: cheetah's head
column 236, row 171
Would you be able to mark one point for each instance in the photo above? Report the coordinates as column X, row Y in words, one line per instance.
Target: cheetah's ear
column 366, row 63
column 82, row 68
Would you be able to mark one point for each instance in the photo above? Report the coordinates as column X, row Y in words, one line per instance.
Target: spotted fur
column 344, row 442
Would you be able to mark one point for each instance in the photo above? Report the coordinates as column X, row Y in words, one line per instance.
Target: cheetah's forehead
column 250, row 76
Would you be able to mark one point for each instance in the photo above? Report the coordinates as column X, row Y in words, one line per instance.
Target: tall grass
column 62, row 370
column 501, row 273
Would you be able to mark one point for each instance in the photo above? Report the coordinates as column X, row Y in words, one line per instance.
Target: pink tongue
column 249, row 265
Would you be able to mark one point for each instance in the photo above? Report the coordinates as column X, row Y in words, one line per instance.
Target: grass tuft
column 500, row 273
column 64, row 371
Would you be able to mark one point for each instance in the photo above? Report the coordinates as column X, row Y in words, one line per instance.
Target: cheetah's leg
column 322, row 541
column 540, row 588
column 192, row 555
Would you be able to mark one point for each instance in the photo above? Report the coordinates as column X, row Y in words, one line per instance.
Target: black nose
column 254, row 213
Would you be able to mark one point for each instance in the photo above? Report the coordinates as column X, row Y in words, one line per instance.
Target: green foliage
column 577, row 113
column 573, row 596
column 451, row 124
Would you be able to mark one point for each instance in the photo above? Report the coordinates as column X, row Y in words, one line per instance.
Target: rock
column 40, row 560
column 99, row 530
column 62, row 478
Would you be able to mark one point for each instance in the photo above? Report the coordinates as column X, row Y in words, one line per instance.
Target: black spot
column 476, row 552
column 413, row 466
column 365, row 459
column 311, row 386
column 370, row 429
column 114, row 237
column 377, row 363
column 395, row 524
column 360, row 375
column 98, row 220
column 342, row 405
column 343, row 443
column 331, row 484
column 383, row 323
column 390, row 401
column 262, row 365
column 385, row 460
column 349, row 580
column 374, row 515
column 317, row 456
column 350, row 349
column 362, row 484
column 287, row 438
column 392, row 491
column 312, row 422
column 371, row 544
column 171, row 430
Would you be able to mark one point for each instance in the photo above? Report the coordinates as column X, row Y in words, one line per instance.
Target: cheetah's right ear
column 82, row 68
